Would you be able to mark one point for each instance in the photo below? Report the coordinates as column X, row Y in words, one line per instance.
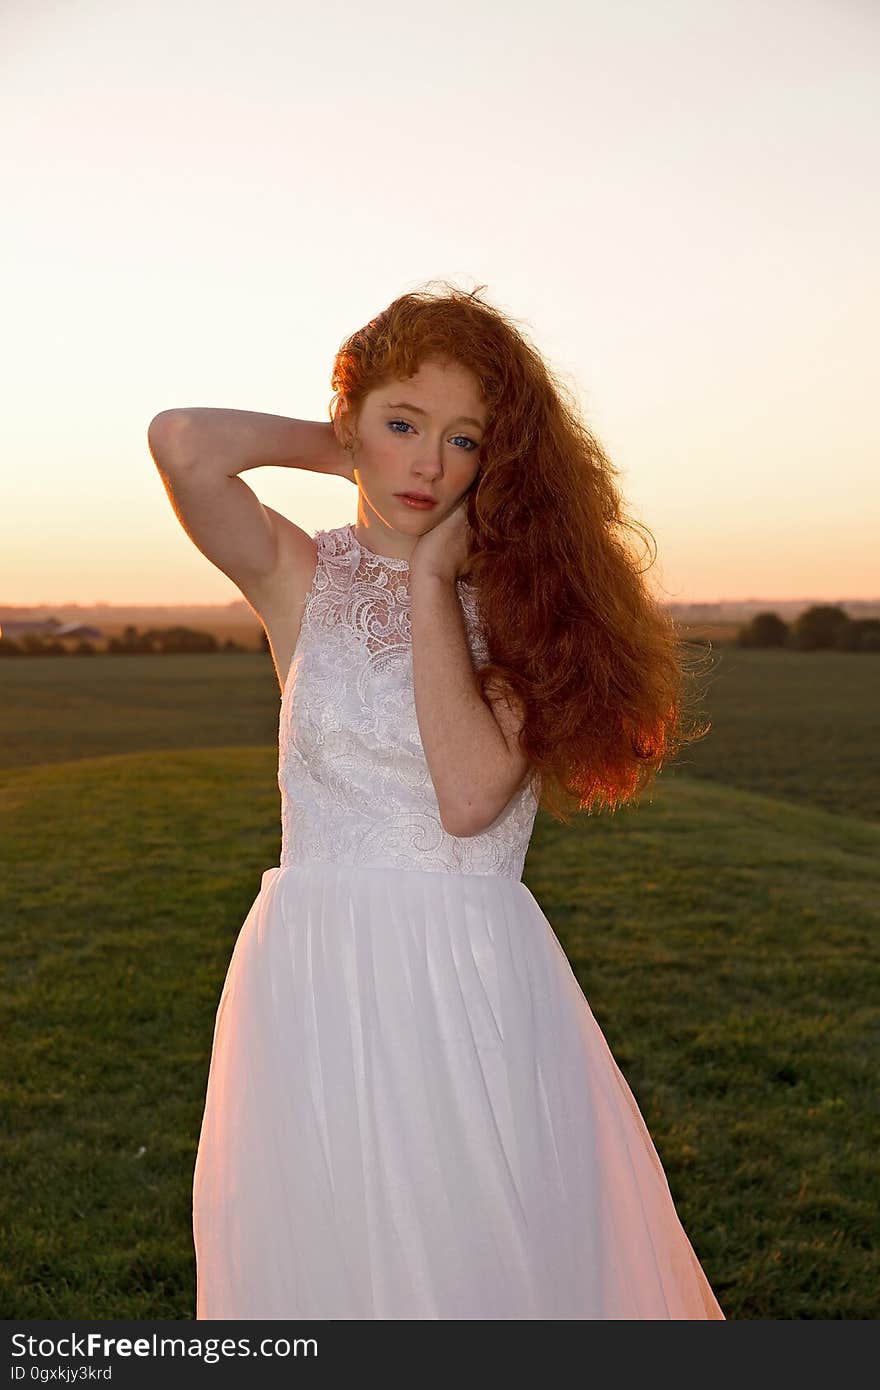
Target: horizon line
column 234, row 603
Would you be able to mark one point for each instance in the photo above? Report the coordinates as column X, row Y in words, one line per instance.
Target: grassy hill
column 725, row 938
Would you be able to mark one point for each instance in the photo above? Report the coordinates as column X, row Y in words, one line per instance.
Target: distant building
column 47, row 627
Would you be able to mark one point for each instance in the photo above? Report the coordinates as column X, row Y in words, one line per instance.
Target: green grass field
column 724, row 932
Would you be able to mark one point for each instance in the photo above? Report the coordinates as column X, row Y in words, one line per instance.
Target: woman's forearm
column 233, row 441
column 464, row 746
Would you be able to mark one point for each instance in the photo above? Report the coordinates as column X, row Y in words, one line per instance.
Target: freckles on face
column 424, row 432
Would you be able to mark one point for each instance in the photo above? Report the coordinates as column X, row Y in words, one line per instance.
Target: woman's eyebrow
column 417, row 410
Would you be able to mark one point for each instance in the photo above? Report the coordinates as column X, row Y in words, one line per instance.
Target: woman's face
column 421, row 434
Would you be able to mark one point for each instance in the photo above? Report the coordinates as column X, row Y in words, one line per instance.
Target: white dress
column 411, row 1112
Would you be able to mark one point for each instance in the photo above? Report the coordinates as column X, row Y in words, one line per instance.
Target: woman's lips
column 425, row 503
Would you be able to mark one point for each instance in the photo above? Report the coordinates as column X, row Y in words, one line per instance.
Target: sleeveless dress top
column 355, row 783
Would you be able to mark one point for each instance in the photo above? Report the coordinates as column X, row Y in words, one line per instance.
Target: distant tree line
column 153, row 641
column 823, row 627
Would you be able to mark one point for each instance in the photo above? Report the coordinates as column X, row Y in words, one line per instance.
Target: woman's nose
column 430, row 462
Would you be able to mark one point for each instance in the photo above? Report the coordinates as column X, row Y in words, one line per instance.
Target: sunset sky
column 677, row 201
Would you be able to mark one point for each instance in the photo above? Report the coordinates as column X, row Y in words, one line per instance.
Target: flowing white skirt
column 412, row 1113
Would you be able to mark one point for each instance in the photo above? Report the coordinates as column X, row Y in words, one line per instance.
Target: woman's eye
column 407, row 426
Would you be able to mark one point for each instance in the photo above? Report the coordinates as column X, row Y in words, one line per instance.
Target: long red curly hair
column 576, row 642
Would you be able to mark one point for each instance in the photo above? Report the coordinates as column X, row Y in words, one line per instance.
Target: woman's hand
column 443, row 550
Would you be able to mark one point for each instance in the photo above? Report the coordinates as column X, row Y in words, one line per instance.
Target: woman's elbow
column 464, row 821
column 481, row 811
column 461, row 821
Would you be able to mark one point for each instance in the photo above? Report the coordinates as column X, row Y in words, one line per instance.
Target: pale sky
column 678, row 201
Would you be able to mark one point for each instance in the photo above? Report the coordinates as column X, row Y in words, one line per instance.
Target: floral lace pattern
column 355, row 783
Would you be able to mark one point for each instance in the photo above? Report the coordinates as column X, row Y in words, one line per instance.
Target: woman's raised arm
column 232, row 441
column 199, row 454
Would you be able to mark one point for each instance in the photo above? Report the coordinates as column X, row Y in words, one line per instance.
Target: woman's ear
column 340, row 432
column 345, row 427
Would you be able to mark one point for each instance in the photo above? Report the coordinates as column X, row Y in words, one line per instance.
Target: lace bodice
column 355, row 783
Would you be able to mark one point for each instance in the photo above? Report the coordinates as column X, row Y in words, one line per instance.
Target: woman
column 411, row 1112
